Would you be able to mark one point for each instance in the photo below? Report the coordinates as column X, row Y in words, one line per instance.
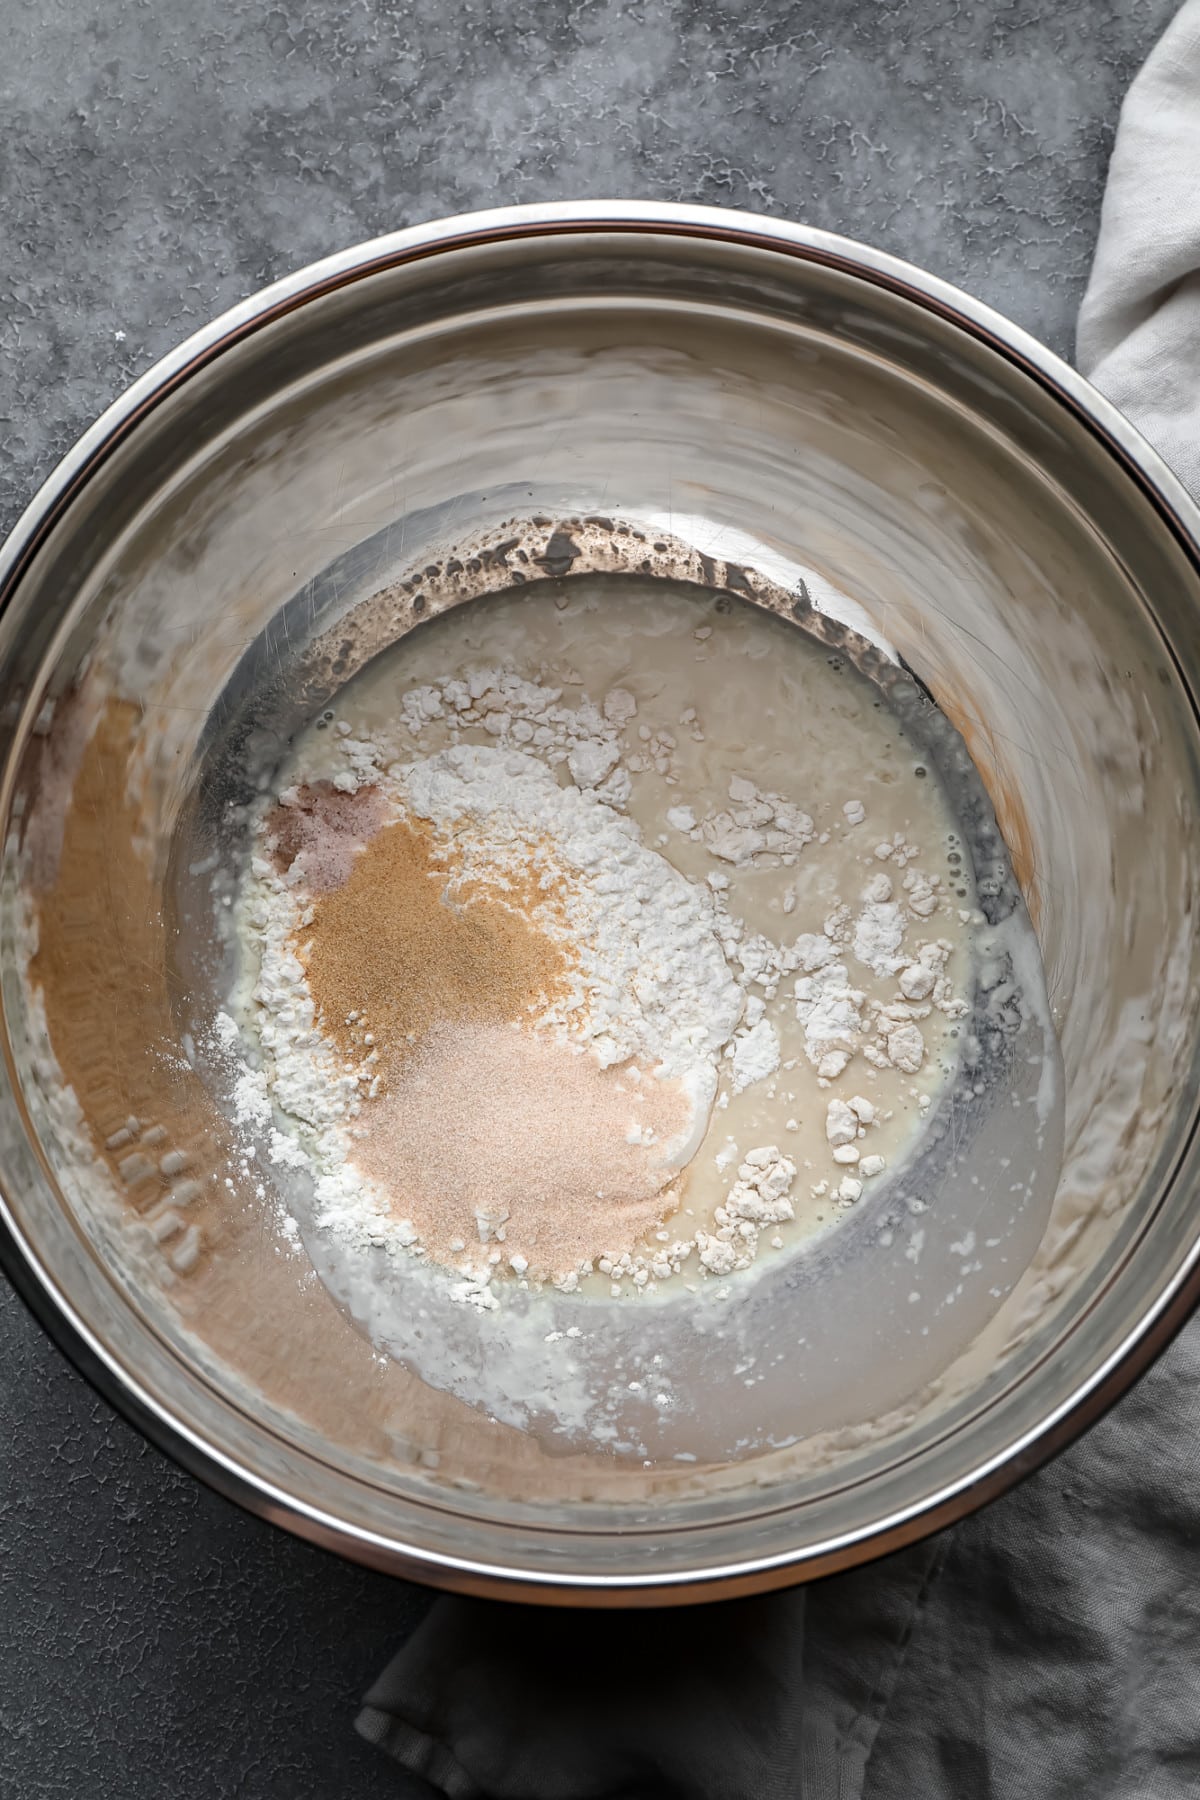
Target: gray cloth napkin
column 1139, row 325
column 1051, row 1645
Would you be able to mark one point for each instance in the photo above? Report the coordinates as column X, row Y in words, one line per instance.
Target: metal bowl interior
column 786, row 402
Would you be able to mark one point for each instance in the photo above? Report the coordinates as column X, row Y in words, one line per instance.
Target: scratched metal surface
column 158, row 164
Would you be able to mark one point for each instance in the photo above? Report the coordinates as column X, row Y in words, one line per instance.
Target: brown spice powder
column 389, row 953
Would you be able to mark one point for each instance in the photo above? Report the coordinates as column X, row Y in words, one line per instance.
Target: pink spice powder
column 318, row 831
column 493, row 1126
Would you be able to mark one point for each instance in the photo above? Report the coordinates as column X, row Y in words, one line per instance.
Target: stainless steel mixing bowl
column 781, row 409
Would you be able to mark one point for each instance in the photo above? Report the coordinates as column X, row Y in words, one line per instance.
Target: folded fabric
column 724, row 1702
column 1139, row 325
column 1050, row 1646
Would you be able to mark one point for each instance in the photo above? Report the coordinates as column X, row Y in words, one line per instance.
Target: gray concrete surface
column 158, row 161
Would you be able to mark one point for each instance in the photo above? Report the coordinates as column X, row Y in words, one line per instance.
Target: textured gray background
column 159, row 160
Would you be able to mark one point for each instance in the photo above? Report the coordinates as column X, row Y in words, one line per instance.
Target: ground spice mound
column 322, row 829
column 497, row 1141
column 500, row 1142
column 397, row 949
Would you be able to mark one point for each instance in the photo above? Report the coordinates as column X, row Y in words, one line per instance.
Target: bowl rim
column 1140, row 1344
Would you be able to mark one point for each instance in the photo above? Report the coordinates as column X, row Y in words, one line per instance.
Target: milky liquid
column 739, row 695
column 852, row 1307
